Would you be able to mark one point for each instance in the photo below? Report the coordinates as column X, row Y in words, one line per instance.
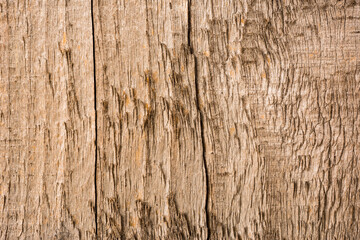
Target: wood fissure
column 206, row 172
column 198, row 106
column 95, row 120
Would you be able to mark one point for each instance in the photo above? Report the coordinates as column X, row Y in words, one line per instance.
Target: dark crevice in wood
column 206, row 172
column 95, row 109
column 189, row 26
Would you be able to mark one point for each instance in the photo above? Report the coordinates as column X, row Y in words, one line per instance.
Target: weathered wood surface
column 47, row 130
column 214, row 119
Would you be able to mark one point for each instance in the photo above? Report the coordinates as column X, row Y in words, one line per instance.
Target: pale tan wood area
column 179, row 119
column 47, row 127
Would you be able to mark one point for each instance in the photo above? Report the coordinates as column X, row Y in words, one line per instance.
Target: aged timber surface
column 47, row 148
column 214, row 119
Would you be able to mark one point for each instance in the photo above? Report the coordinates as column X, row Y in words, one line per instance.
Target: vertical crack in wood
column 206, row 173
column 207, row 186
column 189, row 26
column 95, row 111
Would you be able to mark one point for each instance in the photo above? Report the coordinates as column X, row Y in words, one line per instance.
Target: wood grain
column 180, row 119
column 47, row 128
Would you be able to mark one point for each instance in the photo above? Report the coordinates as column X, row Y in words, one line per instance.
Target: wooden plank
column 151, row 174
column 279, row 87
column 47, row 146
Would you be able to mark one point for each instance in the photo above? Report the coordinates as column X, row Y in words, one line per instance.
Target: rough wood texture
column 47, row 146
column 215, row 119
